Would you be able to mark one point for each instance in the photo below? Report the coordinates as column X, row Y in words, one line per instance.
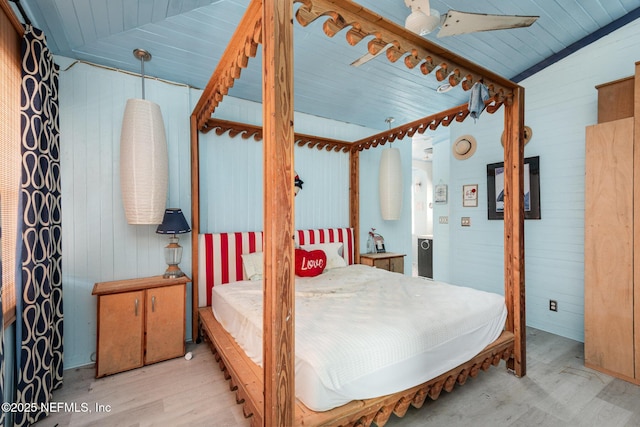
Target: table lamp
column 173, row 224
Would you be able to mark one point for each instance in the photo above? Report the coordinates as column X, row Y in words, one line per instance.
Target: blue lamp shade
column 173, row 224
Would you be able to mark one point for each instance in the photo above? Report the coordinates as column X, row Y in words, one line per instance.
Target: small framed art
column 440, row 193
column 470, row 195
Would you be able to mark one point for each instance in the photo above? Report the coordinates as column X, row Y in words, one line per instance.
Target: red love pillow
column 310, row 263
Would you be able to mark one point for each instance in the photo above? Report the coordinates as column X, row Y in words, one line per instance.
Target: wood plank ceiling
column 187, row 38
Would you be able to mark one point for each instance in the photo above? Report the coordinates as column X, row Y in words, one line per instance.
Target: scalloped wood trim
column 444, row 118
column 245, row 378
column 416, row 50
column 246, row 131
column 242, row 46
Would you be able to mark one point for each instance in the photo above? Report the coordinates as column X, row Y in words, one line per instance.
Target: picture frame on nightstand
column 378, row 242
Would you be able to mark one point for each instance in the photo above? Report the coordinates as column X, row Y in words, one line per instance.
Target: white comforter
column 363, row 332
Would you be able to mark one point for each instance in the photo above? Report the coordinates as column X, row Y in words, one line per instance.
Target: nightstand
column 140, row 321
column 387, row 261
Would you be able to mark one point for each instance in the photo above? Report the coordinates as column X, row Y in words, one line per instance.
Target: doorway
column 422, row 205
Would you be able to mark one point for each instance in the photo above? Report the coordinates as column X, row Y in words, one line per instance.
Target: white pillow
column 333, row 251
column 252, row 264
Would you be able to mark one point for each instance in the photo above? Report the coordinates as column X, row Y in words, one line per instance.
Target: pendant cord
column 143, row 56
column 142, row 75
column 389, row 120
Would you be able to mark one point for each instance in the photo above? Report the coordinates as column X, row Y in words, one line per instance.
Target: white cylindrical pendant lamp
column 390, row 176
column 144, row 162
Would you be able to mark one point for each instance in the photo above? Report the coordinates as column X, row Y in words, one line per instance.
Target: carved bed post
column 354, row 200
column 514, row 228
column 195, row 223
column 278, row 294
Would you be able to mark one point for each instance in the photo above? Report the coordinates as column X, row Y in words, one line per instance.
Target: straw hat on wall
column 464, row 147
column 528, row 134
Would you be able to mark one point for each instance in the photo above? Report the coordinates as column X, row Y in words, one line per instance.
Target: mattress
column 363, row 332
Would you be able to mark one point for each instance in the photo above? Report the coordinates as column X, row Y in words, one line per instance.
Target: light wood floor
column 557, row 391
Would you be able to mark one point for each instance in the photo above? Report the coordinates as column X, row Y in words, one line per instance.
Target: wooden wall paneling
column 609, row 329
column 564, row 99
column 233, row 165
column 279, row 292
column 98, row 169
column 98, row 244
column 514, row 229
column 326, row 177
column 73, row 249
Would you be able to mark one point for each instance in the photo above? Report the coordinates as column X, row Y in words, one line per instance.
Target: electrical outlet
column 553, row 305
column 465, row 221
column 443, row 220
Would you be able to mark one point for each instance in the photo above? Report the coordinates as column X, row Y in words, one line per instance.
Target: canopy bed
column 267, row 392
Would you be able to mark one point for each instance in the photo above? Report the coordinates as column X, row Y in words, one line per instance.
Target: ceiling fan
column 424, row 20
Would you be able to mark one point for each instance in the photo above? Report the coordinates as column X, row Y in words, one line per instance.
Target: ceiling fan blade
column 457, row 22
column 369, row 56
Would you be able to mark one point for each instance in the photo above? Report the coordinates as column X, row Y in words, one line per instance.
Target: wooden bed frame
column 246, row 379
column 268, row 394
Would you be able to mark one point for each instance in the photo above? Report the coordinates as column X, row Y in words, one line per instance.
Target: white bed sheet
column 363, row 332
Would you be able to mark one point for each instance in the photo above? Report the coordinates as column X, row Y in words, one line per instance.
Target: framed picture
column 379, row 243
column 470, row 195
column 440, row 193
column 495, row 189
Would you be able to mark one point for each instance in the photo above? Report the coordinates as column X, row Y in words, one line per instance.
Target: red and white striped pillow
column 220, row 254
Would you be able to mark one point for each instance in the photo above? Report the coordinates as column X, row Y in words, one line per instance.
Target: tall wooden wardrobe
column 612, row 232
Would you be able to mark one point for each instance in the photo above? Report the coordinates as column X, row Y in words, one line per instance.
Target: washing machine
column 425, row 256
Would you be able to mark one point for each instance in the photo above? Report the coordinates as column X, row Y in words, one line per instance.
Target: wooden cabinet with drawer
column 140, row 321
column 387, row 261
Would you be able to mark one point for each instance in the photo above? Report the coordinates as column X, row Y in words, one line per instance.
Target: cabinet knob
column 136, row 307
column 153, row 303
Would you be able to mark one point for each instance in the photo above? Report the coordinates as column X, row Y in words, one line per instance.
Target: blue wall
column 560, row 101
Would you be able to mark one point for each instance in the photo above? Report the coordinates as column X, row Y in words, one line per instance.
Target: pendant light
column 144, row 162
column 390, row 181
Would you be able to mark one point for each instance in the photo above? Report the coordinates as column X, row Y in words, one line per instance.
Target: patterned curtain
column 39, row 293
